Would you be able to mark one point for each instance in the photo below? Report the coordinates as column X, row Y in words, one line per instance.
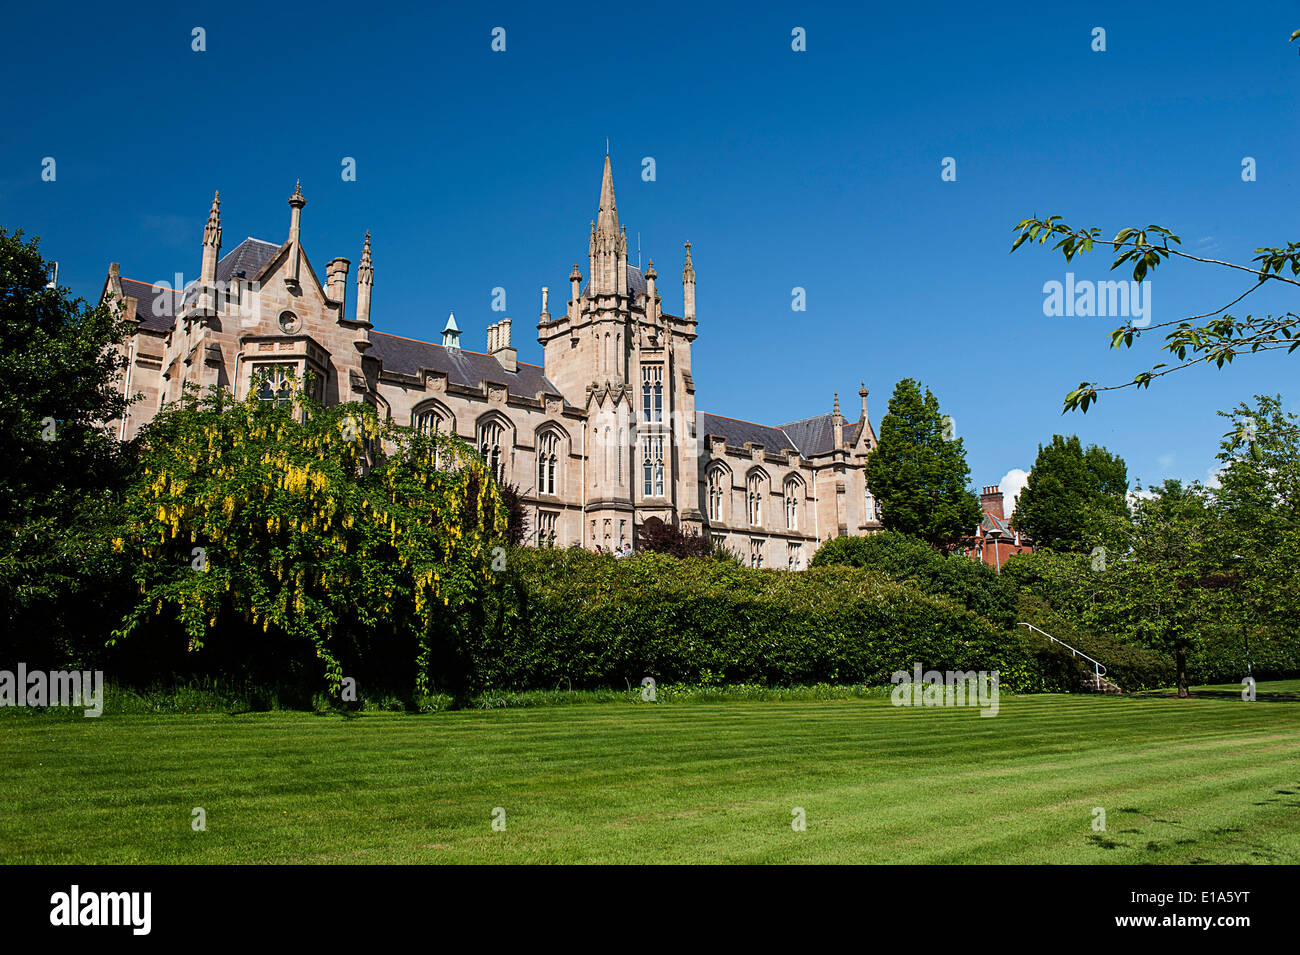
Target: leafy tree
column 1213, row 338
column 62, row 471
column 1165, row 583
column 1259, row 505
column 918, row 472
column 324, row 526
column 1066, row 490
column 662, row 537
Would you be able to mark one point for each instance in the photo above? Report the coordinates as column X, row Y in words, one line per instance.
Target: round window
column 289, row 323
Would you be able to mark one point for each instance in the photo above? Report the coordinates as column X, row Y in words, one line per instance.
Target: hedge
column 581, row 620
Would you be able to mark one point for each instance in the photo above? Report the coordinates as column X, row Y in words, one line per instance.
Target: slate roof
column 156, row 305
column 249, row 257
column 737, row 432
column 244, row 261
column 815, row 435
column 406, row 356
column 635, row 283
column 991, row 523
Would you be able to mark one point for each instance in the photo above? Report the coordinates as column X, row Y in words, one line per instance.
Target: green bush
column 580, row 621
column 912, row 561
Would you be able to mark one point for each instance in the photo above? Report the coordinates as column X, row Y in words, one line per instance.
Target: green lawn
column 1203, row 780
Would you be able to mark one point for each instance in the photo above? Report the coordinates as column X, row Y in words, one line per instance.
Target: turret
column 688, row 287
column 296, row 203
column 211, row 243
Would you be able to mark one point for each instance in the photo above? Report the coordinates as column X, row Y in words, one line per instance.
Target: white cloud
column 1012, row 483
column 1166, row 461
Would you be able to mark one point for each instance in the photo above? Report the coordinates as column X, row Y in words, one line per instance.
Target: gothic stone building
column 600, row 439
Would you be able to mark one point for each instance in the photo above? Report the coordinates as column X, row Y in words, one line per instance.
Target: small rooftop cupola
column 365, row 281
column 451, row 333
column 296, row 202
column 211, row 243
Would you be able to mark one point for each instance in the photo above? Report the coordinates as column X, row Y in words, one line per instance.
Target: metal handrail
column 1098, row 665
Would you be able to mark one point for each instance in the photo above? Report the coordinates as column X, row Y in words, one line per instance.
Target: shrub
column 912, row 561
column 571, row 619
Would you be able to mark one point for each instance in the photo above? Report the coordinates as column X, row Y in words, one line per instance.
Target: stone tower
column 630, row 362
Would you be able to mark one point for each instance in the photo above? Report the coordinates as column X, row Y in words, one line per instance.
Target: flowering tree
column 327, row 524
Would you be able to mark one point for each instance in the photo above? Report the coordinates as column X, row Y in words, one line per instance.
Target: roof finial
column 836, row 412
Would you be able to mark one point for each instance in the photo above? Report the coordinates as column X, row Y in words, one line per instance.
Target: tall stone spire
column 607, row 216
column 365, row 280
column 608, row 244
column 211, row 243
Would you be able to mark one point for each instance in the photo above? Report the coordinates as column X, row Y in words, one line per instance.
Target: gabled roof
column 736, row 432
column 815, row 435
column 156, row 305
column 248, row 258
column 406, row 356
column 999, row 525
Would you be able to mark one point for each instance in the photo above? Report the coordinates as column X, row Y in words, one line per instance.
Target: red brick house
column 995, row 539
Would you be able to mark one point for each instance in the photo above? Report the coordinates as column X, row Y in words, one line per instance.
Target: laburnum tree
column 1068, row 490
column 345, row 534
column 918, row 471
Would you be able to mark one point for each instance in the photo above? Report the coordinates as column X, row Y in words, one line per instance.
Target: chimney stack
column 498, row 345
column 991, row 501
column 336, row 280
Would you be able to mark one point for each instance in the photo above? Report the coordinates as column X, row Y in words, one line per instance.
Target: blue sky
column 817, row 169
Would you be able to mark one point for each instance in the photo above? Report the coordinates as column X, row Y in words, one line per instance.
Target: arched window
column 717, row 490
column 652, row 393
column 652, row 476
column 548, row 449
column 432, row 419
column 792, row 489
column 491, row 444
column 754, row 498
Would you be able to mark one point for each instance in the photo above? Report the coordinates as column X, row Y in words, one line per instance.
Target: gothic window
column 276, row 382
column 316, row 386
column 548, row 445
column 433, row 420
column 754, row 499
column 793, row 555
column 652, row 393
column 491, row 445
column 546, row 521
column 717, row 479
column 792, row 505
column 755, row 553
column 652, row 470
